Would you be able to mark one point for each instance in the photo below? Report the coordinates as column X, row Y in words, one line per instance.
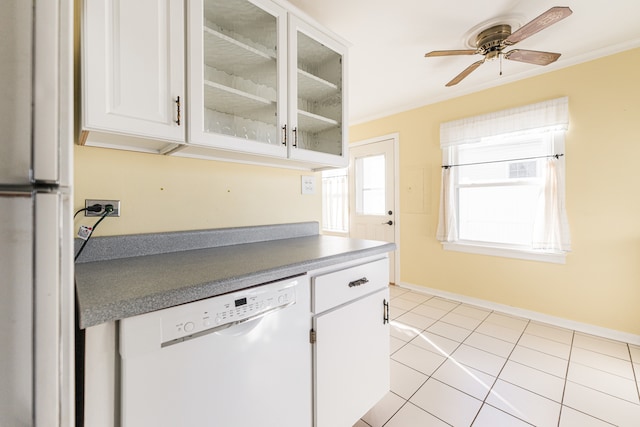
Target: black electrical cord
column 107, row 210
column 93, row 208
column 78, row 211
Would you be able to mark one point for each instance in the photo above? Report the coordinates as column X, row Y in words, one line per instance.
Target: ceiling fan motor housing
column 490, row 41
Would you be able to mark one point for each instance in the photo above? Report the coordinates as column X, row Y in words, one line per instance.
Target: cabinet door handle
column 385, row 314
column 295, row 137
column 178, row 108
column 358, row 282
column 284, row 135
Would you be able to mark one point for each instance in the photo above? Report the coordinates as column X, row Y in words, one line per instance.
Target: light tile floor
column 455, row 364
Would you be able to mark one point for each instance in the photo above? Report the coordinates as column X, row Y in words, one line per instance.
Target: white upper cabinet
column 133, row 74
column 258, row 84
column 263, row 83
column 317, row 109
column 237, row 75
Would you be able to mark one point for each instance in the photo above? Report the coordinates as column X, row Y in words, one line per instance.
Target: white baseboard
column 534, row 315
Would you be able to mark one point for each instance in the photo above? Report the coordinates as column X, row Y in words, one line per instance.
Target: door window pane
column 370, row 185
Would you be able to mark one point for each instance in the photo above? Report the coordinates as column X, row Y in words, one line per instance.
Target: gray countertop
column 153, row 276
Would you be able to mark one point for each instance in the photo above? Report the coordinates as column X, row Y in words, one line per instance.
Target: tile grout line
column 633, row 369
column 406, row 401
column 484, row 401
column 566, row 377
column 446, row 357
column 563, row 406
column 475, row 330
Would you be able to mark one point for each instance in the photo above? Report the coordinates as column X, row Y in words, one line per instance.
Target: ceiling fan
column 491, row 42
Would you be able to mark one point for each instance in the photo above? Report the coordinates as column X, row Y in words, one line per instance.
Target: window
column 335, row 200
column 503, row 189
column 370, row 185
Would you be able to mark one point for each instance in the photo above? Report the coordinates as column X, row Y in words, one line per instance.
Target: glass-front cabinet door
column 317, row 104
column 264, row 82
column 237, row 70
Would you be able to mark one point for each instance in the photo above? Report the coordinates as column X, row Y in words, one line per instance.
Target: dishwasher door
column 237, row 360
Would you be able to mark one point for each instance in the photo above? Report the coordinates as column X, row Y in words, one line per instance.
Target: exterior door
column 372, row 209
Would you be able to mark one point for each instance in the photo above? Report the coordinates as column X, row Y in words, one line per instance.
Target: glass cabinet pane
column 240, row 70
column 319, row 109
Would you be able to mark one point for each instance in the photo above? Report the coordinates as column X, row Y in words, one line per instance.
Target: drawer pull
column 358, row 282
column 385, row 314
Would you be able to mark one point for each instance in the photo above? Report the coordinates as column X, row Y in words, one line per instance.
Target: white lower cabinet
column 351, row 348
column 350, row 351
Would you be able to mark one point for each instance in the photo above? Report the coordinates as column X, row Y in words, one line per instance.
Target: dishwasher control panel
column 221, row 312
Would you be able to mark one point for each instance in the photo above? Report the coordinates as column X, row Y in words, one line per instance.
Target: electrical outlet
column 91, row 202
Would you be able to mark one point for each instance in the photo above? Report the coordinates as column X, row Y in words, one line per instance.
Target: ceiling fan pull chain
column 500, row 64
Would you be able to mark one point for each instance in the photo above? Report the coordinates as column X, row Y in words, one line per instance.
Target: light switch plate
column 308, row 184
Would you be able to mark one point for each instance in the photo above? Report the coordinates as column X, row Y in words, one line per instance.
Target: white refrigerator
column 36, row 241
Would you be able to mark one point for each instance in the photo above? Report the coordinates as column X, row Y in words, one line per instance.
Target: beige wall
column 162, row 193
column 600, row 282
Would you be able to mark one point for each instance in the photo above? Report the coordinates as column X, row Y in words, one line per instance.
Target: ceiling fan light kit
column 491, row 42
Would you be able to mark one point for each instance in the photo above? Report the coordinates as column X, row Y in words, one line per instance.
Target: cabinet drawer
column 339, row 287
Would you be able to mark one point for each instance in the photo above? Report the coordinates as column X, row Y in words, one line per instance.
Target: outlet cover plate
column 91, row 202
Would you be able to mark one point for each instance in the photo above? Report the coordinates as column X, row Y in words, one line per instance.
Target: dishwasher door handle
column 226, row 325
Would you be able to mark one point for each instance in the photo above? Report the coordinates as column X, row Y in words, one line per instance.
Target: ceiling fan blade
column 450, row 52
column 532, row 56
column 457, row 79
column 548, row 18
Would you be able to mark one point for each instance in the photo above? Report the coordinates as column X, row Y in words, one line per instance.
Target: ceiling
column 388, row 72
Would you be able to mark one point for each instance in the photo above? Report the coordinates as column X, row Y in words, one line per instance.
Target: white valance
column 552, row 115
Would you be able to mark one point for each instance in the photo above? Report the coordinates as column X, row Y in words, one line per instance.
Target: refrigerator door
column 16, row 70
column 36, row 310
column 16, row 309
column 36, row 89
column 46, row 161
column 53, row 310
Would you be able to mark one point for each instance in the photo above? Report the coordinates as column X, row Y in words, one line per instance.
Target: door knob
column 388, row 222
column 390, row 212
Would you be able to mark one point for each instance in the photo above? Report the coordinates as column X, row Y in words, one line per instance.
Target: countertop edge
column 119, row 309
column 133, row 245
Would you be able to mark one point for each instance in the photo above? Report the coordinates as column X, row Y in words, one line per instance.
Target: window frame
column 449, row 157
column 335, row 174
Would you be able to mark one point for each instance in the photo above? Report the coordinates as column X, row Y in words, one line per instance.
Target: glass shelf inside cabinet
column 314, row 123
column 319, row 77
column 313, row 87
column 240, row 70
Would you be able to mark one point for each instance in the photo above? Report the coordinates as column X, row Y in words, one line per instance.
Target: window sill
column 474, row 248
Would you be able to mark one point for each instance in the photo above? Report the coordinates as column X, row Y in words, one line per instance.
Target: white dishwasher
column 237, row 360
